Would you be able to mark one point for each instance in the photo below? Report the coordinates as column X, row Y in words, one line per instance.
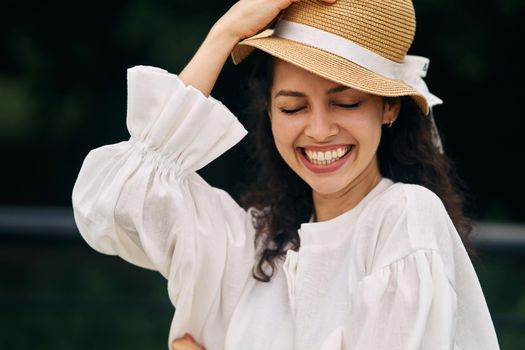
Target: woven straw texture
column 385, row 27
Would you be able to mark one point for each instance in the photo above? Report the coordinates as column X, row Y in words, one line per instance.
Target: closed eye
column 353, row 105
column 291, row 111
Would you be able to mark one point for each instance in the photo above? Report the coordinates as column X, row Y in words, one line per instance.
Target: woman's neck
column 329, row 206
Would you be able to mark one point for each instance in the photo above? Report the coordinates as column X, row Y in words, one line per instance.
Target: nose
column 321, row 126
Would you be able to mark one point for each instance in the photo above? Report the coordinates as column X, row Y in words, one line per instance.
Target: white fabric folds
column 389, row 274
column 143, row 200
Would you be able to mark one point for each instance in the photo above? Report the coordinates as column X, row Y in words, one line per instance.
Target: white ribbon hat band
column 411, row 71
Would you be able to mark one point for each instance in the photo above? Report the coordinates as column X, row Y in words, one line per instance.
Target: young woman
column 353, row 236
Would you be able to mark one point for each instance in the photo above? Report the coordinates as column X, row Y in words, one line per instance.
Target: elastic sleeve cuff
column 167, row 116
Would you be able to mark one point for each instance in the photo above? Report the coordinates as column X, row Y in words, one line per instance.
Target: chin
column 326, row 186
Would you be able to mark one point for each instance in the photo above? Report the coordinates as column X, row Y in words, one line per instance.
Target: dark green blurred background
column 63, row 92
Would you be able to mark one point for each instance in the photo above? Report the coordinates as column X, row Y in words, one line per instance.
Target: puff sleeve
column 420, row 290
column 143, row 200
column 409, row 304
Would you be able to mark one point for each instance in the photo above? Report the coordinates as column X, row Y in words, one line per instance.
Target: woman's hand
column 244, row 19
column 248, row 17
column 185, row 343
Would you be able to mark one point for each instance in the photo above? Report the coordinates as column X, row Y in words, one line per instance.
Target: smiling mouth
column 326, row 157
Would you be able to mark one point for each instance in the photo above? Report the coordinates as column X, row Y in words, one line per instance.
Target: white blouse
column 391, row 273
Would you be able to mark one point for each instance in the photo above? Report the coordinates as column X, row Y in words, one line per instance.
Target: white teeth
column 327, row 157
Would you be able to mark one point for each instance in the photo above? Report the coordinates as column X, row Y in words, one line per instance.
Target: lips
column 325, row 159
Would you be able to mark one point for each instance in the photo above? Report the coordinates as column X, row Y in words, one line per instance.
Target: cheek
column 285, row 132
column 367, row 131
column 372, row 134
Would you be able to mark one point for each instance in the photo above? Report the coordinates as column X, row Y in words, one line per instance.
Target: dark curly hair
column 283, row 200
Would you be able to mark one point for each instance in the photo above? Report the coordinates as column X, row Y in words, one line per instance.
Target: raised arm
column 142, row 199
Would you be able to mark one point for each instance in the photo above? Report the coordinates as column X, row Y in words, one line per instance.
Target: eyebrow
column 338, row 88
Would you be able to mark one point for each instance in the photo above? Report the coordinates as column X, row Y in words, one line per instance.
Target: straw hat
column 358, row 43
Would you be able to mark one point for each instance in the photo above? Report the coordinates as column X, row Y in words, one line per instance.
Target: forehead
column 287, row 73
column 292, row 80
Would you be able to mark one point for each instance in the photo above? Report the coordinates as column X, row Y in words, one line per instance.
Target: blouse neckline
column 331, row 231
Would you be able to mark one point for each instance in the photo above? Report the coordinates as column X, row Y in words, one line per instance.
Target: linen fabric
column 391, row 273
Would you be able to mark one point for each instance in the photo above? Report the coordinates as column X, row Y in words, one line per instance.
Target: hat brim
column 326, row 65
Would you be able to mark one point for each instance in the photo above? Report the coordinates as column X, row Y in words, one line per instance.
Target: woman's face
column 326, row 132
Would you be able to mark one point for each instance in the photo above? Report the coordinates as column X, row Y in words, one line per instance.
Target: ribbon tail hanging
column 436, row 139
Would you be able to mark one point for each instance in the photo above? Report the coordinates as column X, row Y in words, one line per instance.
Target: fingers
column 185, row 343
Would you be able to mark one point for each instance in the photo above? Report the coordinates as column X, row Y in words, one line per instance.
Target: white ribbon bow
column 414, row 69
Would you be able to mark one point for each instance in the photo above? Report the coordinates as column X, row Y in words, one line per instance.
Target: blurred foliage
column 76, row 298
column 500, row 276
